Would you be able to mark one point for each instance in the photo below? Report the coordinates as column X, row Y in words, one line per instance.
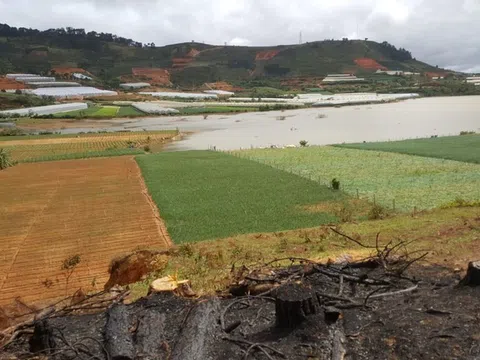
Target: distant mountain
column 110, row 57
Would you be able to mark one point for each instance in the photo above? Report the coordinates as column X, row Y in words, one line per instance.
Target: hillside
column 191, row 64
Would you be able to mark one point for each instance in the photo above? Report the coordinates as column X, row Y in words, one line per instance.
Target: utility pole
column 300, row 40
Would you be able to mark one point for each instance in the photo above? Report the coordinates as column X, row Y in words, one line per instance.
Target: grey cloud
column 440, row 32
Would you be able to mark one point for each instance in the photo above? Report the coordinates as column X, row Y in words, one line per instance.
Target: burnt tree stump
column 473, row 274
column 293, row 304
column 118, row 336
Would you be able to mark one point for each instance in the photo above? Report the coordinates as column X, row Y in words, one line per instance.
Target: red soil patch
column 8, row 84
column 369, row 64
column 98, row 209
column 266, row 55
column 155, row 76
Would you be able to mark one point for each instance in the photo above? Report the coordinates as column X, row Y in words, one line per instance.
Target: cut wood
column 168, row 284
column 293, row 304
column 473, row 274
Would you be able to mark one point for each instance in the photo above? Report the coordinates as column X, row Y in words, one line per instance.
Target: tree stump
column 118, row 337
column 473, row 274
column 293, row 304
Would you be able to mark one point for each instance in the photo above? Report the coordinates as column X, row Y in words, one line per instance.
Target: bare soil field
column 49, row 212
column 8, row 84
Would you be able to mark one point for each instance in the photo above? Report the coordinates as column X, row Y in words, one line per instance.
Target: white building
column 473, row 80
column 396, row 72
column 81, row 76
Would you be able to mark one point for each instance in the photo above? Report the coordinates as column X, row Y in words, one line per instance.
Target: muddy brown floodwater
column 319, row 126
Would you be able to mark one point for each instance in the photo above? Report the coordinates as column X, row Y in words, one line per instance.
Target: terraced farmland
column 409, row 181
column 97, row 209
column 45, row 148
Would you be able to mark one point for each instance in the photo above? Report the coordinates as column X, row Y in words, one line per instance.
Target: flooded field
column 319, row 126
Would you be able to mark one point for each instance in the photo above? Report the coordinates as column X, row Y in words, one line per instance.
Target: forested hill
column 109, row 56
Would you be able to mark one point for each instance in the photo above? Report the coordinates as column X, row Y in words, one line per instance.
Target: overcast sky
column 440, row 32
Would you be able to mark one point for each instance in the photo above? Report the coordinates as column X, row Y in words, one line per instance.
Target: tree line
column 67, row 36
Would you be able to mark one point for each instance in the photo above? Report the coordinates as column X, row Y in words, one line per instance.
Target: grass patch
column 447, row 233
column 461, row 148
column 381, row 177
column 206, row 195
column 126, row 111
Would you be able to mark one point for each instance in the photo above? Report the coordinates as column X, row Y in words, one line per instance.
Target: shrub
column 467, row 132
column 345, row 213
column 303, row 143
column 377, row 212
column 146, row 148
column 5, row 161
column 335, row 184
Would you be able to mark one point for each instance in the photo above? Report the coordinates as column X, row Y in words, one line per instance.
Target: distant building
column 397, row 73
column 475, row 80
column 132, row 86
column 81, row 76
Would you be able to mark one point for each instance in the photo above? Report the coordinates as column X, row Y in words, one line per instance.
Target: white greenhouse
column 53, row 84
column 27, row 79
column 219, row 92
column 15, row 76
column 72, row 92
column 181, row 95
column 138, row 85
column 46, row 110
column 153, row 108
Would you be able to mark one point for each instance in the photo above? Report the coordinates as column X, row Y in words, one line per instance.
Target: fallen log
column 473, row 274
column 293, row 304
column 118, row 337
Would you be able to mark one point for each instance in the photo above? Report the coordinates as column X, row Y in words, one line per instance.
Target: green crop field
column 207, row 195
column 410, row 181
column 461, row 148
column 98, row 111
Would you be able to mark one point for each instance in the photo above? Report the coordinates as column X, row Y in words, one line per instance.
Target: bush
column 12, row 132
column 467, row 132
column 303, row 143
column 146, row 148
column 377, row 212
column 4, row 160
column 335, row 184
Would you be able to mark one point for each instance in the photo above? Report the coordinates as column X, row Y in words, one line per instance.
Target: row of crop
column 392, row 180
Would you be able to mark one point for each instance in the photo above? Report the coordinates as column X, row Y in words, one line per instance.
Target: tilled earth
column 436, row 320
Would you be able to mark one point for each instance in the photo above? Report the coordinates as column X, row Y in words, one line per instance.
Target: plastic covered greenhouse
column 71, row 92
column 153, row 108
column 181, row 95
column 138, row 85
column 46, row 110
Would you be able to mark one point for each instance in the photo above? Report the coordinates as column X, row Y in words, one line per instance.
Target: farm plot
column 45, row 148
column 208, row 195
column 387, row 178
column 461, row 148
column 49, row 212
